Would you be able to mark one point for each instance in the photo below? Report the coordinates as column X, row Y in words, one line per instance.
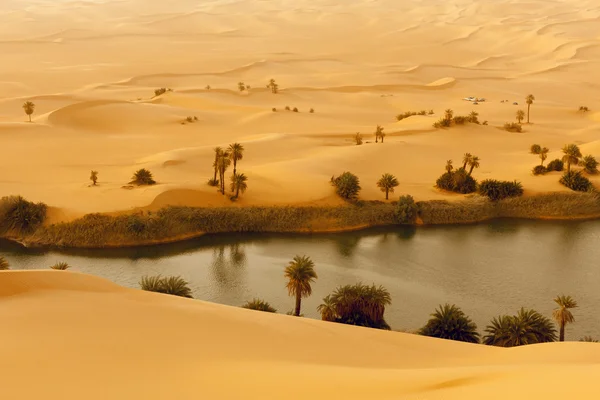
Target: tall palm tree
column 300, row 273
column 450, row 322
column 529, row 100
column 4, row 265
column 236, row 153
column 327, row 309
column 449, row 166
column 466, row 160
column 387, row 183
column 474, row 163
column 29, row 108
column 218, row 150
column 238, row 184
column 572, row 154
column 520, row 116
column 222, row 164
column 562, row 314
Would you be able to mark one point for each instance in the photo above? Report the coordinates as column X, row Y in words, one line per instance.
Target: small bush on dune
column 346, row 185
column 406, row 210
column 459, row 120
column 358, row 139
column 173, row 285
column 259, row 305
column 513, row 127
column 430, row 112
column 143, row 177
column 295, row 109
column 457, row 181
column 442, row 123
column 274, row 109
column 160, row 91
column 312, row 111
column 497, row 190
column 589, row 164
column 555, row 165
column 574, row 180
column 539, row 170
column 60, row 266
column 584, row 108
column 287, row 108
column 21, row 216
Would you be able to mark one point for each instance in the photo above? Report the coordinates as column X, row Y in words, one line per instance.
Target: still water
column 486, row 269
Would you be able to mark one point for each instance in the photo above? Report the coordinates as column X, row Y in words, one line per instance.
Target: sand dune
column 190, row 349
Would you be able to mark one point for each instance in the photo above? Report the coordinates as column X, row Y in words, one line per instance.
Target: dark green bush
column 555, row 165
column 460, row 120
column 406, row 210
column 21, row 216
column 539, row 170
column 497, row 190
column 513, row 127
column 574, row 180
column 347, row 186
column 457, row 181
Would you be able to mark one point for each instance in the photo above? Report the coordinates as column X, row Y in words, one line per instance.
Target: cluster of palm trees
column 526, row 327
column 468, row 160
column 223, row 160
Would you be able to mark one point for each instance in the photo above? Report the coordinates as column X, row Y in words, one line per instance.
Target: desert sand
column 73, row 336
column 91, row 68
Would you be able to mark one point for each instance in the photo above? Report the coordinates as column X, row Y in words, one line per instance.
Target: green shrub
column 406, row 210
column 459, row 120
column 143, row 177
column 498, row 190
column 442, row 123
column 539, row 170
column 450, row 322
column 574, row 180
column 20, row 216
column 457, row 181
column 60, row 266
column 513, row 127
column 173, row 285
column 589, row 164
column 555, row 165
column 347, row 186
column 259, row 305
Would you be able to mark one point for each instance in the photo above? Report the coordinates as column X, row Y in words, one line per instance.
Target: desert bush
column 295, row 109
column 584, row 108
column 189, row 119
column 555, row 165
column 513, row 127
column 160, row 91
column 498, row 190
column 442, row 123
column 173, row 285
column 430, row 112
column 574, row 180
column 347, row 186
column 20, row 216
column 60, row 266
column 312, row 111
column 484, row 123
column 259, row 305
column 459, row 120
column 4, row 265
column 274, row 109
column 143, row 177
column 457, row 181
column 287, row 108
column 213, row 182
column 358, row 139
column 539, row 170
column 406, row 210
column 589, row 164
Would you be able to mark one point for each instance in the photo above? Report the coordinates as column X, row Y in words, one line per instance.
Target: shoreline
column 179, row 224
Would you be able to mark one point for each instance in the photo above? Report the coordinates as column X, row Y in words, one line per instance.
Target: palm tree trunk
column 298, row 301
column 465, row 166
column 471, row 170
column 237, row 190
column 234, row 166
column 386, row 194
column 562, row 333
column 382, row 139
column 29, row 117
column 568, row 167
column 376, row 139
column 528, row 107
column 215, row 177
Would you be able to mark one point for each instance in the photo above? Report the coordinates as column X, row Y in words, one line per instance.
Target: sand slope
column 78, row 336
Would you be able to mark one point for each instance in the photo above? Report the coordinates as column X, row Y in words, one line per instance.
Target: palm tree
column 60, row 266
column 520, row 116
column 327, row 309
column 527, row 327
column 474, row 163
column 300, row 273
column 173, row 285
column 449, row 322
column 590, row 164
column 222, row 164
column 236, row 153
column 540, row 151
column 358, row 139
column 218, row 151
column 473, row 117
column 449, row 166
column 4, row 265
column 544, row 154
column 387, row 183
column 273, row 86
column 466, row 160
column 94, row 177
column 360, row 305
column 29, row 108
column 238, row 184
column 259, row 305
column 379, row 133
column 562, row 315
column 448, row 114
column 529, row 100
column 572, row 154
column 143, row 177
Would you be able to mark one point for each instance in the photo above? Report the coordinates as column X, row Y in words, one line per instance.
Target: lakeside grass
column 179, row 223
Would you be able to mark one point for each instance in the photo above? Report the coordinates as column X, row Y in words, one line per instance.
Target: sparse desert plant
column 213, row 182
column 189, row 119
column 238, row 184
column 473, row 117
column 312, row 111
column 207, row 87
column 241, row 86
column 520, row 116
column 574, row 180
column 274, row 87
column 21, row 216
column 29, row 108
column 406, row 210
column 448, row 114
column 4, row 265
column 287, row 108
column 449, row 166
column 358, row 139
column 173, row 285
column 555, row 165
column 540, row 151
column 142, row 177
column 529, row 100
column 94, row 177
column 274, row 109
column 379, row 134
column 450, row 322
column 430, row 112
column 347, row 186
column 562, row 314
column 60, row 266
column 584, row 108
column 539, row 170
column 589, row 164
column 588, row 339
column 295, row 109
column 513, row 127
column 259, row 305
column 160, row 91
column 442, row 123
column 459, row 120
column 498, row 190
column 387, row 183
column 484, row 123
column 300, row 273
column 572, row 154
